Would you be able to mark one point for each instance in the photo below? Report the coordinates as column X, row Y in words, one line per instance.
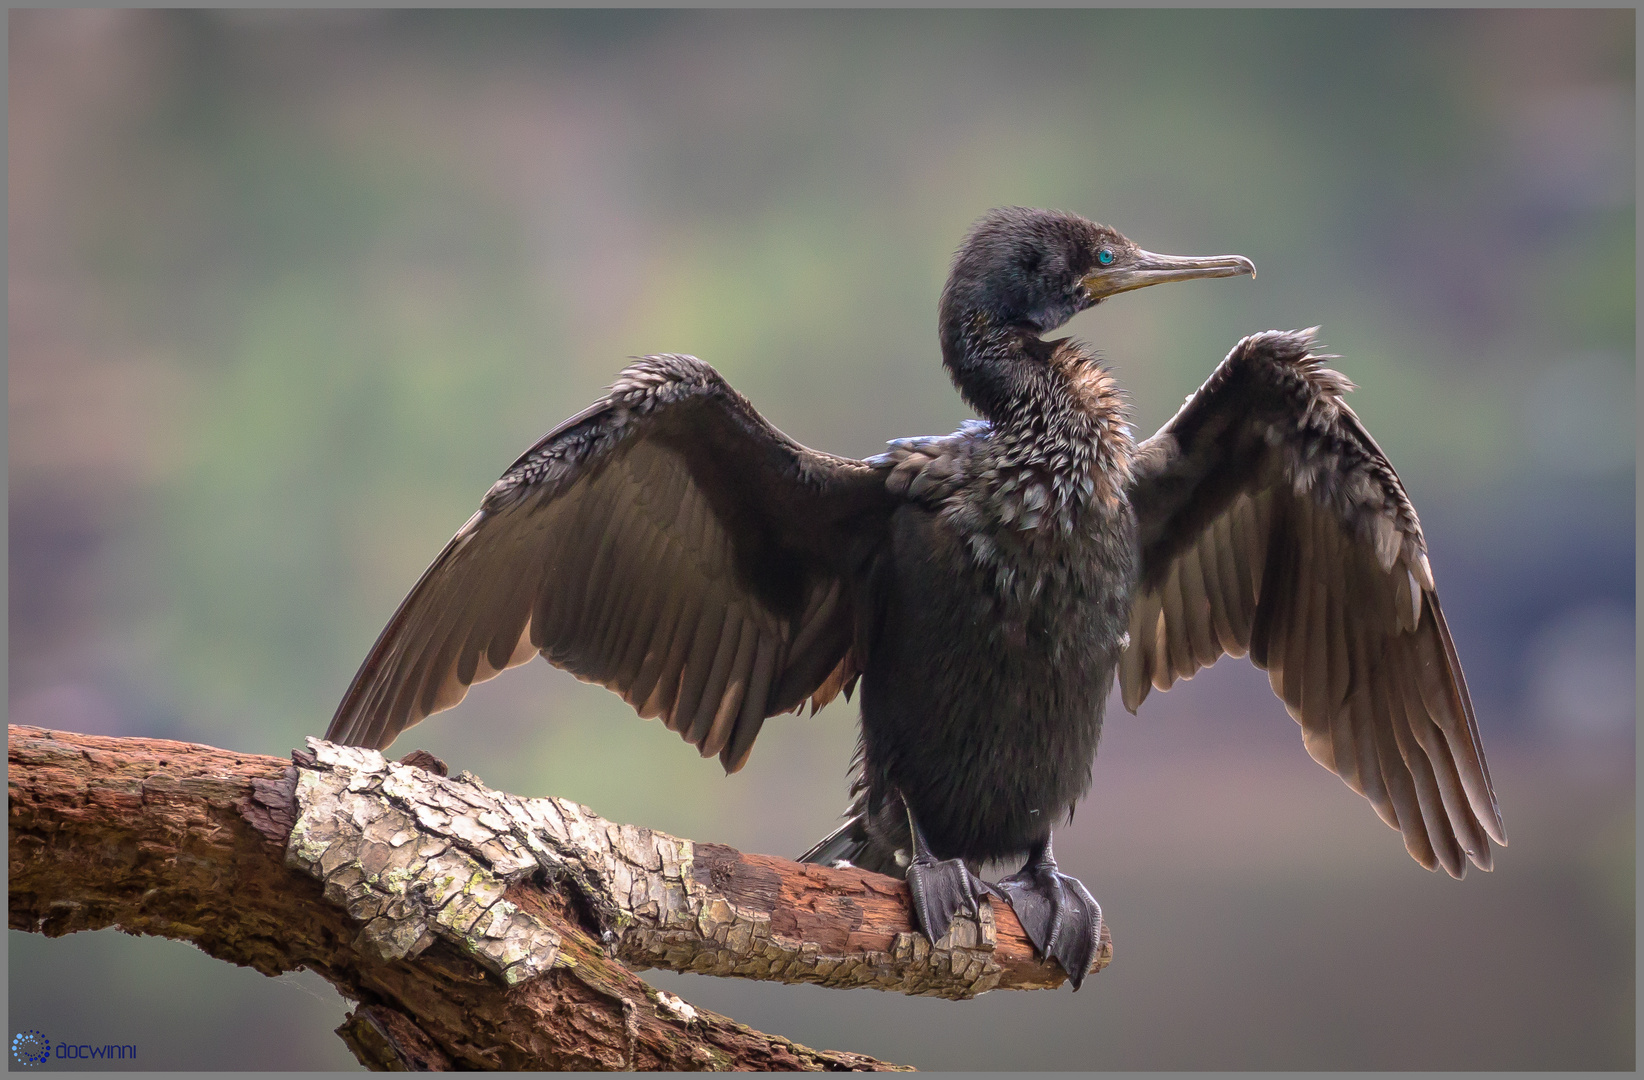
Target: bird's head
column 1042, row 267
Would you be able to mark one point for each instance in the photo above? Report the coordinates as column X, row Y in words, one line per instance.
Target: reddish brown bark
column 187, row 841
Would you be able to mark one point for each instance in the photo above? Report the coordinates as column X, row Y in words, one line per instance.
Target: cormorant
column 985, row 586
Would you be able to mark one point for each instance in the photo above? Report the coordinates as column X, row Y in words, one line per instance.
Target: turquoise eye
column 1105, row 256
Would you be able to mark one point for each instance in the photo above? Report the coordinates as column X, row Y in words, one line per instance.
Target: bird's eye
column 1105, row 256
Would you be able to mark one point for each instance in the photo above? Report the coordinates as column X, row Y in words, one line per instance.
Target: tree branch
column 477, row 929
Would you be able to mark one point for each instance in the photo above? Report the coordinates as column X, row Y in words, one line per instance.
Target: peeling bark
column 477, row 929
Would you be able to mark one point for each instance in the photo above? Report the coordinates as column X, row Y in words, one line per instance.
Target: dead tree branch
column 477, row 929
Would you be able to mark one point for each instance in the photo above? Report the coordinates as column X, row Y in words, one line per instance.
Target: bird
column 985, row 588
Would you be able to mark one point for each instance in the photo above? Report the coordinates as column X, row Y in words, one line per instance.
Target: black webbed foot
column 1061, row 918
column 941, row 888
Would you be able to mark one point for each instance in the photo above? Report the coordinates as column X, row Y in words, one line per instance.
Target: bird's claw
column 1059, row 916
column 940, row 891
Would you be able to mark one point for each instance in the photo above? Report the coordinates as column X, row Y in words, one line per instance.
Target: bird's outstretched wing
column 667, row 543
column 1271, row 523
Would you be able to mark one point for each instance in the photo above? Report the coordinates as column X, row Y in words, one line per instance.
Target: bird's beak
column 1139, row 269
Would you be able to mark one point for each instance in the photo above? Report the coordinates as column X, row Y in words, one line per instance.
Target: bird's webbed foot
column 1061, row 918
column 941, row 888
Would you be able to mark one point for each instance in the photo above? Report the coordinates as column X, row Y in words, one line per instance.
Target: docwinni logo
column 107, row 1052
column 33, row 1048
column 30, row 1048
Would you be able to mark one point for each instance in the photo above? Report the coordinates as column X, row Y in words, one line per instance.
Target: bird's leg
column 940, row 888
column 1061, row 918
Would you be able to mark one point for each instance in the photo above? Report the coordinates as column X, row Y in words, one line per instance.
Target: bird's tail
column 848, row 843
column 876, row 840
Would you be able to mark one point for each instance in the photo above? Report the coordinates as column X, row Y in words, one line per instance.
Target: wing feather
column 813, row 655
column 1212, row 555
column 1338, row 666
column 1317, row 710
column 818, row 617
column 726, row 682
column 648, row 617
column 639, row 592
column 667, row 543
column 722, row 709
column 1271, row 523
column 655, row 645
column 1249, row 553
column 1468, row 832
column 1475, row 777
column 718, row 621
column 1196, row 606
column 1300, row 610
column 1428, row 796
column 589, row 540
column 551, row 605
column 1135, row 674
column 692, row 636
column 1400, row 784
column 1175, row 629
column 1234, row 566
column 735, row 752
column 596, row 585
column 1362, row 718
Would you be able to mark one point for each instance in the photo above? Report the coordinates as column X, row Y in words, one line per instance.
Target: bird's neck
column 1050, row 402
column 1016, row 380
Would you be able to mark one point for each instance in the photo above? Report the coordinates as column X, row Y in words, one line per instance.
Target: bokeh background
column 289, row 290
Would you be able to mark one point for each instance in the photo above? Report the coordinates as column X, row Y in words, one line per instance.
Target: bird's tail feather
column 848, row 843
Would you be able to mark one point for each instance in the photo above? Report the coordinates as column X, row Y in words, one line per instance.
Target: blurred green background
column 289, row 290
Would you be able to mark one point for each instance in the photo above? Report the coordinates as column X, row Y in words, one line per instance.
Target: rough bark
column 476, row 929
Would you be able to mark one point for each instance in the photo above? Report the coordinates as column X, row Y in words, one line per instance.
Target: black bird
column 984, row 586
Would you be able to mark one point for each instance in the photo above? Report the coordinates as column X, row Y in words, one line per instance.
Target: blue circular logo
column 30, row 1048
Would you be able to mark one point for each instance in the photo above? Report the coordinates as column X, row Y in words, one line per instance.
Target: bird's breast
column 982, row 697
column 1047, row 528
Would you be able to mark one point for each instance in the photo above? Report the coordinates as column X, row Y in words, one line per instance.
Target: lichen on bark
column 415, row 856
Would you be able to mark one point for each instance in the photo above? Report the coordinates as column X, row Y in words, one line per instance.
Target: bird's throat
column 1059, row 441
column 1015, row 379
